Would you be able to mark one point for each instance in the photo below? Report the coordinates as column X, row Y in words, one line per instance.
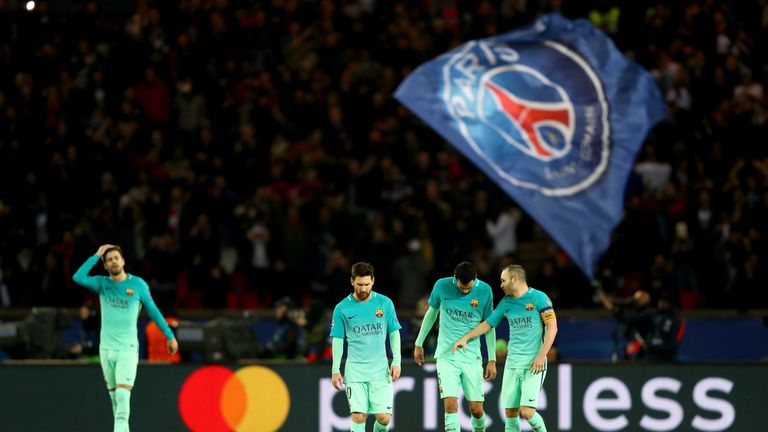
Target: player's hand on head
column 103, row 248
column 418, row 355
column 337, row 381
column 394, row 372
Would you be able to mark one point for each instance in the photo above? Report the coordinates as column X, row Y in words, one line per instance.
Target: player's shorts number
column 349, row 393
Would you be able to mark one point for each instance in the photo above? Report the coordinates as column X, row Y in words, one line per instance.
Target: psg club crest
column 529, row 307
column 534, row 111
column 554, row 114
column 129, row 291
column 474, row 303
column 379, row 313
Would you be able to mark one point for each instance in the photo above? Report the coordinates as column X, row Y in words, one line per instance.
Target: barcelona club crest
column 129, row 291
column 379, row 313
column 474, row 302
column 529, row 307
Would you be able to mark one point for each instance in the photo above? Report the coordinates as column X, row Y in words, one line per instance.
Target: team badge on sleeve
column 474, row 303
column 529, row 307
column 379, row 313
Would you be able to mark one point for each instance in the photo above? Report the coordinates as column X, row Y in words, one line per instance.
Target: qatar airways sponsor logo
column 116, row 302
column 368, row 329
column 460, row 315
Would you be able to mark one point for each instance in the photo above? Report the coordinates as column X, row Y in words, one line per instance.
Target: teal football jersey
column 460, row 313
column 526, row 316
column 365, row 325
column 120, row 306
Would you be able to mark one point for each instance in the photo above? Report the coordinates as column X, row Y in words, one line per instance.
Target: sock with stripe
column 512, row 424
column 123, row 409
column 452, row 422
column 537, row 423
column 478, row 424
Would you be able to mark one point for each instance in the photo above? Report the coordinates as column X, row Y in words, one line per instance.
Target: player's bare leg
column 512, row 422
column 478, row 416
column 358, row 422
column 382, row 422
column 534, row 419
column 451, row 414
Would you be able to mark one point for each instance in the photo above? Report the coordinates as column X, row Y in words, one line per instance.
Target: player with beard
column 365, row 318
column 461, row 302
column 121, row 295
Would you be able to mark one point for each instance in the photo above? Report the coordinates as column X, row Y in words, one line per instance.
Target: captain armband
column 548, row 315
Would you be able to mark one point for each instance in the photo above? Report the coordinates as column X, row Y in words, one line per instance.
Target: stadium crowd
column 242, row 151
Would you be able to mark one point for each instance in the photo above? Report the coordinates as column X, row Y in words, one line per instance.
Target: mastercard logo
column 216, row 399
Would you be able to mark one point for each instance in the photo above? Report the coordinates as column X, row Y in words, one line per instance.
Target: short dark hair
column 516, row 270
column 465, row 272
column 362, row 269
column 112, row 249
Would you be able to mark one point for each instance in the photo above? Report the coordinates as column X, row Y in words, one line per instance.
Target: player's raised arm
column 81, row 275
column 480, row 329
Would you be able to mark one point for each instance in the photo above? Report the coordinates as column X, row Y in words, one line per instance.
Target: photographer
column 666, row 331
column 635, row 315
column 288, row 340
column 652, row 333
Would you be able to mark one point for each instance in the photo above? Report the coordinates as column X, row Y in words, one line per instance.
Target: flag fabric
column 554, row 113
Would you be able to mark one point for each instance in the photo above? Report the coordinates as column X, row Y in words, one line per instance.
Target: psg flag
column 554, row 114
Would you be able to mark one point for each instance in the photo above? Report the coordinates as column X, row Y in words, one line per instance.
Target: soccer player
column 462, row 301
column 532, row 330
column 121, row 295
column 365, row 318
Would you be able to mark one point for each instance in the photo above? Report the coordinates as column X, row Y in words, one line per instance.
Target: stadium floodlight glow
column 30, row 5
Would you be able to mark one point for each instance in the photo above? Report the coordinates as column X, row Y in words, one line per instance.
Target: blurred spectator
column 634, row 316
column 501, row 351
column 318, row 331
column 289, row 339
column 215, row 289
column 157, row 350
column 411, row 272
column 81, row 338
column 190, row 133
column 553, row 355
column 666, row 332
column 153, row 97
column 430, row 343
column 652, row 333
column 503, row 232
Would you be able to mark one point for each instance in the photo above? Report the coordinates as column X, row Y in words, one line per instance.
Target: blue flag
column 554, row 114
